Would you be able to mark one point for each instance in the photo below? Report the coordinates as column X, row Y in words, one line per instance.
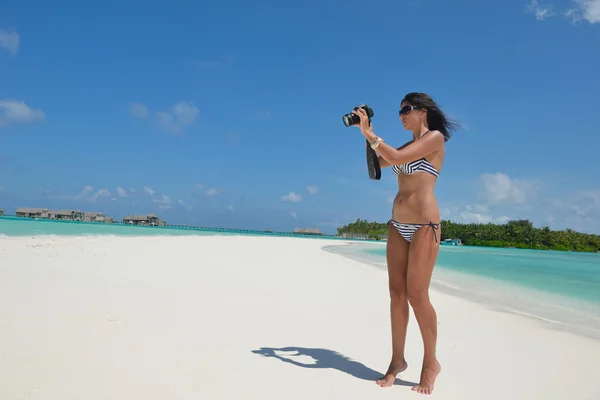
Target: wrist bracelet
column 375, row 144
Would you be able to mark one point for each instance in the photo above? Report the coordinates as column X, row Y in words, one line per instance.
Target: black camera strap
column 373, row 163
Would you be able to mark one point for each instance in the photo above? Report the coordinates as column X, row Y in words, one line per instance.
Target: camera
column 353, row 119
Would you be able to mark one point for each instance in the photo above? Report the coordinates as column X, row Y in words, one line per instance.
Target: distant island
column 518, row 234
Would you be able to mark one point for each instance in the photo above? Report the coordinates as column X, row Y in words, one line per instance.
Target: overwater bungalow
column 63, row 215
column 90, row 216
column 32, row 212
column 149, row 220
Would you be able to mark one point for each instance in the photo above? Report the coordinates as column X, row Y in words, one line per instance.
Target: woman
column 414, row 229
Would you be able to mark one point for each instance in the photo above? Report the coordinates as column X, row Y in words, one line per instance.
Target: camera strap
column 373, row 163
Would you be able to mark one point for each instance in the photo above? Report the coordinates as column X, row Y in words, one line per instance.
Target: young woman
column 414, row 229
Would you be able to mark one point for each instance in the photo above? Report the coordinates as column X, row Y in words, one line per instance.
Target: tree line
column 519, row 234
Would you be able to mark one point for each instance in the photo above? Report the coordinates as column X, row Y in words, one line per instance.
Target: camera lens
column 350, row 119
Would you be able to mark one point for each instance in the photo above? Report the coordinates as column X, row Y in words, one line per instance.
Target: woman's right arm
column 385, row 163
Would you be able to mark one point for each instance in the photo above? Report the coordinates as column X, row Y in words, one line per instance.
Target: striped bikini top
column 410, row 168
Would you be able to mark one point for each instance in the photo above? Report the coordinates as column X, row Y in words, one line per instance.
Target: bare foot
column 390, row 376
column 428, row 375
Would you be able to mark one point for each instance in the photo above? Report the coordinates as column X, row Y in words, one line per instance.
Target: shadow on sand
column 325, row 358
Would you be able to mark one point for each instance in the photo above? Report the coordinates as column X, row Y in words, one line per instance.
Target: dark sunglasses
column 407, row 109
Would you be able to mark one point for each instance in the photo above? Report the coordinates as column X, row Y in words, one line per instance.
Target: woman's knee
column 398, row 294
column 418, row 297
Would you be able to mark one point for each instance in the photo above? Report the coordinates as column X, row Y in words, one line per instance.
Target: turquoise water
column 16, row 226
column 561, row 289
column 569, row 274
column 31, row 227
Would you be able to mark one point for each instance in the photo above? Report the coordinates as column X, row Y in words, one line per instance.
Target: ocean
column 17, row 226
column 558, row 288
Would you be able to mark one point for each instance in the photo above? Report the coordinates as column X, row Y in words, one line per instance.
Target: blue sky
column 230, row 114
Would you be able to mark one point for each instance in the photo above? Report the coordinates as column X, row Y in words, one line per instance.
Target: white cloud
column 124, row 193
column 579, row 211
column 477, row 213
column 15, row 111
column 101, row 193
column 541, row 12
column 472, row 214
column 162, row 201
column 291, row 197
column 480, row 218
column 480, row 208
column 9, row 41
column 294, row 215
column 184, row 205
column 178, row 117
column 499, row 188
column 174, row 119
column 121, row 192
column 90, row 194
column 208, row 192
column 138, row 110
column 502, row 196
column 230, row 208
column 588, row 10
column 312, row 189
column 2, row 189
column 471, row 217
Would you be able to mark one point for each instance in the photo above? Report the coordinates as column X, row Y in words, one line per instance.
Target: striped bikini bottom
column 408, row 230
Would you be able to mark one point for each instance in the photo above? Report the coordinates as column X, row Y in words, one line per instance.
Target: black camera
column 353, row 119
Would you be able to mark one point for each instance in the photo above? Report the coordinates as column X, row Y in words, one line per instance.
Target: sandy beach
column 234, row 317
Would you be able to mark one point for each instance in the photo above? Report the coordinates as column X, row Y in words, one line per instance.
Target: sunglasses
column 407, row 109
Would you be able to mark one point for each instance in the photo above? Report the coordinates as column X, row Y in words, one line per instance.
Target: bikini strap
column 434, row 226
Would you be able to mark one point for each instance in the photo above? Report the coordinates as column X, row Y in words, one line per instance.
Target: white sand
column 179, row 317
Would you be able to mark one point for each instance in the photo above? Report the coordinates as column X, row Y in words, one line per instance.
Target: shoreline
column 555, row 311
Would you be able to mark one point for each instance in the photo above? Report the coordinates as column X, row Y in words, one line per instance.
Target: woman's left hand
column 364, row 125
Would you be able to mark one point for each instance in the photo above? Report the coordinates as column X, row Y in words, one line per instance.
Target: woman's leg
column 397, row 263
column 422, row 255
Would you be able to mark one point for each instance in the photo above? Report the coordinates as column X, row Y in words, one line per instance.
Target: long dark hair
column 436, row 119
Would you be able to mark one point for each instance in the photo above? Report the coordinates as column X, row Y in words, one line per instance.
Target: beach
column 241, row 317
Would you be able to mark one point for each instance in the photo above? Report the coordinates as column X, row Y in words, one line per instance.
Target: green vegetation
column 520, row 234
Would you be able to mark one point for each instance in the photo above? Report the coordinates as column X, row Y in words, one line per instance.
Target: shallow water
column 562, row 288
